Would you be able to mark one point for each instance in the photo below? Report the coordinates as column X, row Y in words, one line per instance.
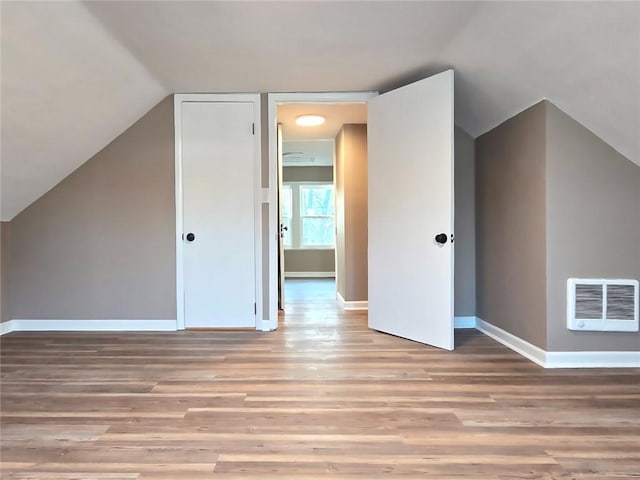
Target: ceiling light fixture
column 309, row 120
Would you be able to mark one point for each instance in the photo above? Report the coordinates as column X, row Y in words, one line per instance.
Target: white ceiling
column 75, row 75
column 307, row 153
column 68, row 89
column 336, row 115
column 313, row 146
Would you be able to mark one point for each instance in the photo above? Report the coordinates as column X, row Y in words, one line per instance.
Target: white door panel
column 218, row 208
column 410, row 154
column 281, row 226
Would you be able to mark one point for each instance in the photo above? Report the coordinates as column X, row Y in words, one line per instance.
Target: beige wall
column 553, row 201
column 593, row 225
column 101, row 244
column 465, row 243
column 351, row 211
column 309, row 260
column 5, row 257
column 307, row 174
column 339, row 172
column 511, row 226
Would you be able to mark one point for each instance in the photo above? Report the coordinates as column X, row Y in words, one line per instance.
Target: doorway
column 322, row 200
column 217, row 229
column 410, row 207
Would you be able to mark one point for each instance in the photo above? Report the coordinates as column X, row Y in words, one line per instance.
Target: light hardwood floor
column 323, row 397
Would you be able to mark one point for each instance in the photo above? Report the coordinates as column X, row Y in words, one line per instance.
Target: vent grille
column 602, row 305
column 589, row 301
column 620, row 302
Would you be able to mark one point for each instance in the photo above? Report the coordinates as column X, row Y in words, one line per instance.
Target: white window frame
column 297, row 216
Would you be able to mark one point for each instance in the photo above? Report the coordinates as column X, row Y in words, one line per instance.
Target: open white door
column 410, row 149
column 282, row 227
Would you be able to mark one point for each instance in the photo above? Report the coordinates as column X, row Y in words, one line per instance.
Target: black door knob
column 190, row 237
column 441, row 238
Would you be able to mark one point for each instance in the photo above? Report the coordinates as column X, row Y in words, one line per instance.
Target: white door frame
column 178, row 99
column 273, row 100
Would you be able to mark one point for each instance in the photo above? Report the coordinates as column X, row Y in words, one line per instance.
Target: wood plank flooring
column 323, row 397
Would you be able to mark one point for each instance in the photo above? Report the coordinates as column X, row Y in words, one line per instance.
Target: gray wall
column 339, row 169
column 593, row 225
column 465, row 244
column 308, row 260
column 5, row 245
column 511, row 226
column 351, row 212
column 307, row 174
column 100, row 245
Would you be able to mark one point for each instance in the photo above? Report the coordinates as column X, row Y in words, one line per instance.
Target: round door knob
column 441, row 238
column 190, row 237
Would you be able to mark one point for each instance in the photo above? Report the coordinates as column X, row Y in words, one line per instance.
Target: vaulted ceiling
column 76, row 74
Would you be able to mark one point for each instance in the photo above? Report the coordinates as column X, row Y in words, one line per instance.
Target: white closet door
column 218, row 169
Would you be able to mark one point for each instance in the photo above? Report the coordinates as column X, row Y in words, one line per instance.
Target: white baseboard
column 592, row 359
column 583, row 359
column 524, row 348
column 309, row 274
column 6, row 327
column 464, row 322
column 352, row 305
column 266, row 325
column 61, row 325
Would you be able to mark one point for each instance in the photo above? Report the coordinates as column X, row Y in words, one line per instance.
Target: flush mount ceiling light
column 309, row 120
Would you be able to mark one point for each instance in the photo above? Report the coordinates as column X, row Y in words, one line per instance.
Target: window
column 316, row 213
column 308, row 213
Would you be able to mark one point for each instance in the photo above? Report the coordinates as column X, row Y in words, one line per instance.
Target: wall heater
column 602, row 305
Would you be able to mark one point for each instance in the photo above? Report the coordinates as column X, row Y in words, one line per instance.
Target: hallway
column 315, row 291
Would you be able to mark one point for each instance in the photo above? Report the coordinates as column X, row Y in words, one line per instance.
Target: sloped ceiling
column 68, row 89
column 74, row 75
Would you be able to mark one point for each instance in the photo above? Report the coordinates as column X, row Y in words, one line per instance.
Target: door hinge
column 253, row 129
column 255, row 308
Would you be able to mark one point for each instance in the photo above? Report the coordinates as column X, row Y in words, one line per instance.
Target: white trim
column 583, row 359
column 257, row 206
column 6, row 327
column 309, row 274
column 592, row 359
column 64, row 325
column 177, row 119
column 464, row 322
column 265, row 325
column 352, row 304
column 524, row 348
column 260, row 196
column 309, row 248
column 273, row 100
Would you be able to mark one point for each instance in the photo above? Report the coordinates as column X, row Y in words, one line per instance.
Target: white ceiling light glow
column 309, row 120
